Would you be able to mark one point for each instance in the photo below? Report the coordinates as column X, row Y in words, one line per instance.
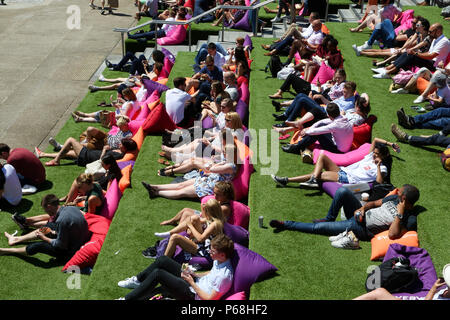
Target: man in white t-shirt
column 177, row 99
column 10, row 188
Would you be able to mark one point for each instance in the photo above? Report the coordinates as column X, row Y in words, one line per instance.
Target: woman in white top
column 10, row 188
column 375, row 166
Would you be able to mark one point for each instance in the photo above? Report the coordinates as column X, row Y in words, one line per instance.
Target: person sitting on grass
column 439, row 139
column 334, row 134
column 394, row 213
column 73, row 149
column 138, row 65
column 200, row 228
column 199, row 184
column 376, row 166
column 10, row 188
column 83, row 188
column 433, row 294
column 69, row 227
column 185, row 285
column 330, row 90
column 223, row 193
column 28, row 168
column 438, row 51
column 436, row 119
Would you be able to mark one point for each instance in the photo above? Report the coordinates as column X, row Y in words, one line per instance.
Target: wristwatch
column 399, row 216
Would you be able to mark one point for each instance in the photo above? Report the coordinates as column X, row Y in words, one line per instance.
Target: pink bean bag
column 405, row 20
column 112, row 199
column 176, row 36
column 344, row 159
column 240, row 213
column 244, row 93
column 241, row 181
column 324, row 74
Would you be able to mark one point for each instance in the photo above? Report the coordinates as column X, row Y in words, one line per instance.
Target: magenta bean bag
column 135, row 125
column 240, row 213
column 244, row 93
column 112, row 199
column 242, row 110
column 420, row 259
column 242, row 179
column 324, row 74
column 176, row 36
column 344, row 159
column 405, row 20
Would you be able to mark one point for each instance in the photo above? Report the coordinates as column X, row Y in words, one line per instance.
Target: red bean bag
column 87, row 255
column 363, row 133
column 158, row 120
column 189, row 3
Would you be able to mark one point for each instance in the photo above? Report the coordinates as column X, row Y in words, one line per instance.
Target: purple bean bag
column 151, row 86
column 242, row 110
column 125, row 164
column 168, row 55
column 420, row 259
column 243, row 23
column 248, row 42
column 207, row 123
column 330, row 188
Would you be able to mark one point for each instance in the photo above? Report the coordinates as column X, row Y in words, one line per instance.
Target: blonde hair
column 213, row 210
column 86, row 178
column 235, row 118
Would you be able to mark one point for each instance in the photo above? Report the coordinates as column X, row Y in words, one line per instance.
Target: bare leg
column 12, row 240
column 377, row 294
column 37, row 221
column 178, row 240
column 4, row 251
column 183, row 214
column 187, row 192
column 377, row 53
column 325, row 163
column 70, row 144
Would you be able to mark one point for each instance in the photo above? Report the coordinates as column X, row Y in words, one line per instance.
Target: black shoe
column 108, row 64
column 279, row 117
column 404, row 120
column 150, row 252
column 277, row 224
column 151, row 191
column 356, row 6
column 281, row 181
column 20, row 220
column 277, row 105
column 291, row 148
column 280, row 125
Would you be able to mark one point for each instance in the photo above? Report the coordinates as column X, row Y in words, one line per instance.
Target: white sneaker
column 364, row 46
column 419, row 99
column 349, row 241
column 276, row 19
column 357, row 51
column 129, row 283
column 101, row 78
column 339, row 236
column 401, row 90
column 378, row 70
column 382, row 75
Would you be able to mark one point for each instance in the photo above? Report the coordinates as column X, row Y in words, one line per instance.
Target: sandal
column 52, row 163
column 284, row 137
column 37, row 152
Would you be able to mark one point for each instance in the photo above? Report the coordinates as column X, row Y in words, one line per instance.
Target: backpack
column 274, row 65
column 395, row 275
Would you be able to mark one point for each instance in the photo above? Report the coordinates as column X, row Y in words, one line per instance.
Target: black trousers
column 47, row 248
column 409, row 60
column 297, row 83
column 166, row 272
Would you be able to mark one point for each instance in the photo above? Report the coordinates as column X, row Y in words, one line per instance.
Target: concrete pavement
column 46, row 64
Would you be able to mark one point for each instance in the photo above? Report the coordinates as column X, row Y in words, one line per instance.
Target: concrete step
column 174, row 49
column 347, row 15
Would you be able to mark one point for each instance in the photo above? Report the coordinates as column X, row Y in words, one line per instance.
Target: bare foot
column 276, row 96
column 11, row 239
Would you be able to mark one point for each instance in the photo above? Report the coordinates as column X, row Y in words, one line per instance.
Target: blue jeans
column 383, row 32
column 437, row 119
column 303, row 102
column 345, row 198
column 434, row 140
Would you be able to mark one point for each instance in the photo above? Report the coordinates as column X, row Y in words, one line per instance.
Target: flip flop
column 284, row 137
column 51, row 163
column 37, row 152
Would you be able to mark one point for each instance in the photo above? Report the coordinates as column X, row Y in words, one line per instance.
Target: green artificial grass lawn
column 309, row 268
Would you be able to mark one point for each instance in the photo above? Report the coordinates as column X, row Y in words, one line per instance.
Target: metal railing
column 190, row 21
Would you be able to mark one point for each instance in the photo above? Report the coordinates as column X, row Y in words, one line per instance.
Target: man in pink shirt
column 334, row 134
